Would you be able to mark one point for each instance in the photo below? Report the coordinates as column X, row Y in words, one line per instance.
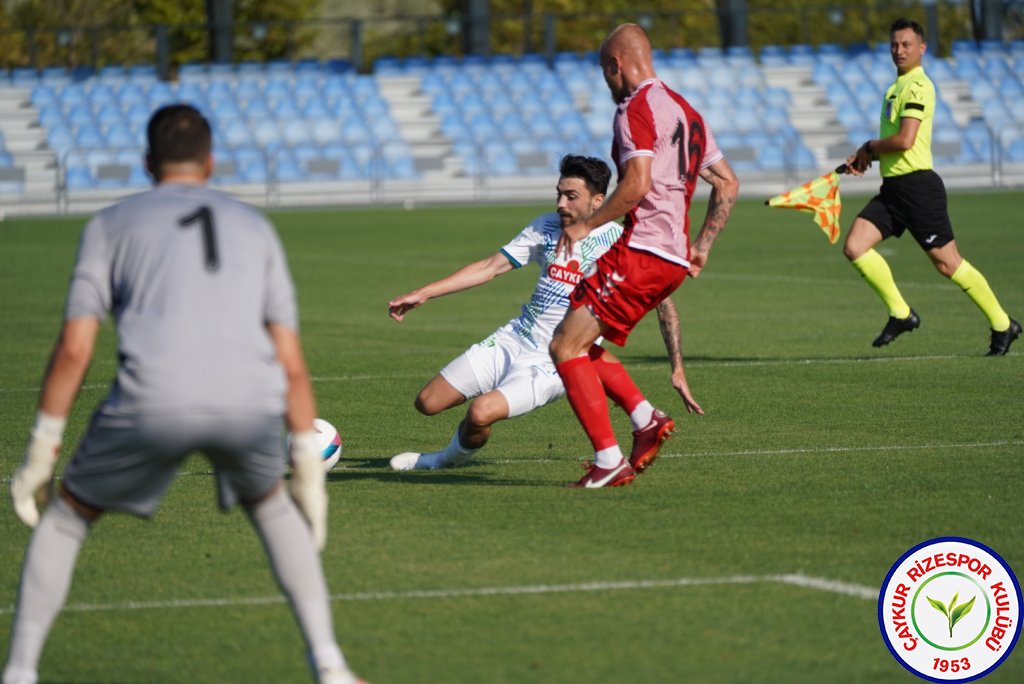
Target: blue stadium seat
column 120, row 136
column 142, row 72
column 265, row 132
column 295, row 131
column 51, row 115
column 236, row 134
column 78, row 178
column 777, row 96
column 251, row 165
column 800, row 54
column 24, row 77
column 979, row 137
column 325, row 131
column 353, row 130
column 1015, row 151
column 89, row 136
column 286, row 168
column 771, row 158
column 805, row 159
column 773, row 56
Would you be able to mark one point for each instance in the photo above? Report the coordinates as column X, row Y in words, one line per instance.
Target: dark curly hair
column 594, row 173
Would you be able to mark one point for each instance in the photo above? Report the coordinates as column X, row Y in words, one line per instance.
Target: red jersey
column 657, row 122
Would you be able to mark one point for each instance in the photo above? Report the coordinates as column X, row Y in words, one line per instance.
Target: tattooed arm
column 724, row 188
column 668, row 320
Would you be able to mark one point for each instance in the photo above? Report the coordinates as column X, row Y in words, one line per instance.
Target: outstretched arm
column 668, row 320
column 724, row 189
column 471, row 275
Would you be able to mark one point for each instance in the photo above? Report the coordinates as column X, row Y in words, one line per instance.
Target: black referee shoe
column 1001, row 341
column 896, row 327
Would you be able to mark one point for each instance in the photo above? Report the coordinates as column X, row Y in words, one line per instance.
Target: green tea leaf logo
column 954, row 612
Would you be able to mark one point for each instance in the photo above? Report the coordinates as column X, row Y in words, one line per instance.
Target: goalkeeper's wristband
column 304, row 443
column 49, row 426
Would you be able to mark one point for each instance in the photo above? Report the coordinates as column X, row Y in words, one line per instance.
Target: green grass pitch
column 749, row 553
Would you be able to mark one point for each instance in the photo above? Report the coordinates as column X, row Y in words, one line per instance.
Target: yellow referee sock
column 976, row 287
column 875, row 270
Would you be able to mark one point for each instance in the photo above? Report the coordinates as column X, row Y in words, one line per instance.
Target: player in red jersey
column 661, row 145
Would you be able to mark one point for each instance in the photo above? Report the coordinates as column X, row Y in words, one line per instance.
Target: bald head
column 626, row 60
column 628, row 39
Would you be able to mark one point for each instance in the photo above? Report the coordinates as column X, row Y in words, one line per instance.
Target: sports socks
column 621, row 389
column 45, row 580
column 586, row 395
column 974, row 285
column 454, row 454
column 296, row 567
column 875, row 270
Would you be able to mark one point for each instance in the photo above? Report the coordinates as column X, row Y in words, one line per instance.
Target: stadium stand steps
column 420, row 126
column 810, row 111
column 30, row 167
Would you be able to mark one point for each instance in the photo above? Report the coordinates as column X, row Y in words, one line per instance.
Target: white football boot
column 339, row 676
column 412, row 460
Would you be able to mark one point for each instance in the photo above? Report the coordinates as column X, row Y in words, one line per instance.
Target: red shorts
column 627, row 284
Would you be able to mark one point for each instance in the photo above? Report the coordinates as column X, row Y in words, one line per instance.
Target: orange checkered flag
column 819, row 197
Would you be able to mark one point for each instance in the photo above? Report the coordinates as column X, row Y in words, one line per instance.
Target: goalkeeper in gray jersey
column 209, row 360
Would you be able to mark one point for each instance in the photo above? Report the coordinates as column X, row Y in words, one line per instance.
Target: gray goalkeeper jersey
column 191, row 277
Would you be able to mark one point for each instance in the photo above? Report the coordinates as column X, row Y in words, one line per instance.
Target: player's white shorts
column 126, row 463
column 525, row 377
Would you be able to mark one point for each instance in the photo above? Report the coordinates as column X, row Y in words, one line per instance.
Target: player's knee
column 425, row 405
column 852, row 250
column 483, row 413
column 558, row 349
column 946, row 268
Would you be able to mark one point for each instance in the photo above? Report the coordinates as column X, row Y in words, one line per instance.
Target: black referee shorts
column 914, row 201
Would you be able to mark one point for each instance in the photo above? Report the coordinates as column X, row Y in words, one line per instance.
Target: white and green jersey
column 191, row 277
column 559, row 275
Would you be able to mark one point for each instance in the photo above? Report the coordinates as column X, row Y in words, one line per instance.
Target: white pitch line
column 640, row 365
column 795, row 579
column 718, row 454
column 784, row 452
column 843, row 450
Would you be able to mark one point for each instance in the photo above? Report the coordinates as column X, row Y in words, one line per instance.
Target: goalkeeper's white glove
column 307, row 485
column 32, row 482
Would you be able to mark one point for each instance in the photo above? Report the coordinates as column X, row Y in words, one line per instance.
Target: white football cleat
column 338, row 676
column 411, row 460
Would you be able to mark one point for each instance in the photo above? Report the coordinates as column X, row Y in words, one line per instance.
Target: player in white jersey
column 209, row 360
column 511, row 372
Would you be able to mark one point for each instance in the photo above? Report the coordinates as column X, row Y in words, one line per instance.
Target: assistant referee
column 913, row 197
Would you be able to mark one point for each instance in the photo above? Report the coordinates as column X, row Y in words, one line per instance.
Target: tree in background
column 97, row 32
column 72, row 33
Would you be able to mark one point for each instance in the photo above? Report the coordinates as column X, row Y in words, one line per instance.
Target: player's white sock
column 45, row 580
column 608, row 458
column 641, row 415
column 454, row 454
column 296, row 566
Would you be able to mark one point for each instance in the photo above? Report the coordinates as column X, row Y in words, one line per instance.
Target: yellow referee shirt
column 912, row 95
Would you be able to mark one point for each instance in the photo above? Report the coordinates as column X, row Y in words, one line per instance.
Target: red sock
column 618, row 384
column 586, row 396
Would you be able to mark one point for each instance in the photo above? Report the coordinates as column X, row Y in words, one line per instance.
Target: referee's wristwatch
column 867, row 148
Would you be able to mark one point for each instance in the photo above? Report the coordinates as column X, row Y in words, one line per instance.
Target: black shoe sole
column 896, row 327
column 1002, row 346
